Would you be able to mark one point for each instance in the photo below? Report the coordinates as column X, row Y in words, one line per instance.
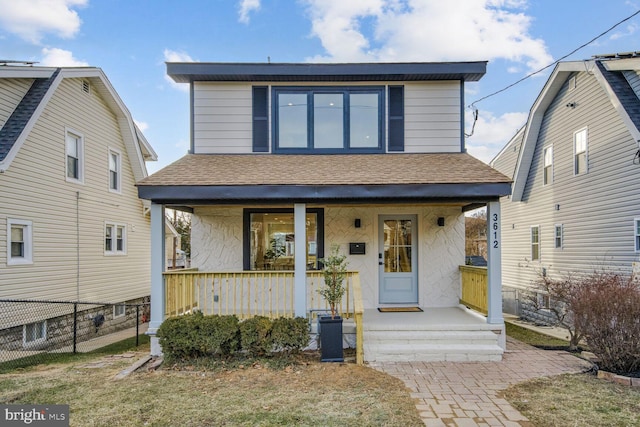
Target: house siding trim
column 480, row 192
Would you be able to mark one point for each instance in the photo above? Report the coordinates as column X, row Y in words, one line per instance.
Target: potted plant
column 330, row 327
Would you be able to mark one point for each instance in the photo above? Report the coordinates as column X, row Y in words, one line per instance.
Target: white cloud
column 426, row 30
column 143, row 126
column 629, row 30
column 491, row 133
column 175, row 56
column 55, row 57
column 246, row 7
column 31, row 19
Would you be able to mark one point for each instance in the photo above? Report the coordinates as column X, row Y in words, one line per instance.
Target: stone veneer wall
column 216, row 245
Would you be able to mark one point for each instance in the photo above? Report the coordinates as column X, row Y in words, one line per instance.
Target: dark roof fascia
column 187, row 72
column 187, row 195
column 16, row 123
column 624, row 92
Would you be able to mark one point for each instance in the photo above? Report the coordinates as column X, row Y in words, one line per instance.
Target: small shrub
column 254, row 335
column 610, row 304
column 195, row 335
column 290, row 334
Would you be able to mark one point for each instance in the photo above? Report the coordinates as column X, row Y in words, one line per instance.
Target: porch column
column 494, row 264
column 157, row 281
column 300, row 267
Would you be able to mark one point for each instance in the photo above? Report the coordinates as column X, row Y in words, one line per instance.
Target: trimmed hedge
column 194, row 336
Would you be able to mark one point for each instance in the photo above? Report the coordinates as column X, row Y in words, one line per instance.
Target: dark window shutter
column 396, row 118
column 260, row 119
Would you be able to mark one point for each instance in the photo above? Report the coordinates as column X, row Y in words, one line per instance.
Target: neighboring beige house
column 72, row 226
column 576, row 169
column 288, row 159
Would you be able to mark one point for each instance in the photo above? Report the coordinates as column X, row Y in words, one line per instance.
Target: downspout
column 77, row 246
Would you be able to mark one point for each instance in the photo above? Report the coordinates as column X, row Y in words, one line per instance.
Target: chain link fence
column 35, row 329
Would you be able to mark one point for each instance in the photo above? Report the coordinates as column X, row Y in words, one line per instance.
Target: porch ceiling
column 312, row 178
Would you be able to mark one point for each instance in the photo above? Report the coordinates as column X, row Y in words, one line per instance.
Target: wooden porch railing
column 474, row 288
column 257, row 293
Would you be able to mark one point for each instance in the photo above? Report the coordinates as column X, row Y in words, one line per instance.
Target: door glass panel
column 397, row 246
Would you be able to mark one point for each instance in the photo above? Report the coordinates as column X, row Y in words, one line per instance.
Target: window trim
column 28, row 242
column 636, row 233
column 117, row 152
column 531, row 243
column 310, row 91
column 114, row 226
column 557, row 227
column 36, row 341
column 80, row 138
column 586, row 151
column 546, row 181
column 246, row 230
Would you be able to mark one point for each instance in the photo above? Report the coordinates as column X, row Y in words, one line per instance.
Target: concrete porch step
column 432, row 353
column 432, row 337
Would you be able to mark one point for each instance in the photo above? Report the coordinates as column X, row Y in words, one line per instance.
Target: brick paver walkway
column 466, row 394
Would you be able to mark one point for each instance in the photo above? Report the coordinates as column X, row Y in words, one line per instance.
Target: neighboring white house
column 72, row 226
column 576, row 169
column 287, row 159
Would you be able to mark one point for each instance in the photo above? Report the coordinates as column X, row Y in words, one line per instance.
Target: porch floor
column 435, row 334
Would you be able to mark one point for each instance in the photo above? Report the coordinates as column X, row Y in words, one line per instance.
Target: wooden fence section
column 474, row 288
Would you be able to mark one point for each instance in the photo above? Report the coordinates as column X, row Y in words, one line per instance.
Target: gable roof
column 611, row 80
column 187, row 72
column 45, row 82
column 227, row 178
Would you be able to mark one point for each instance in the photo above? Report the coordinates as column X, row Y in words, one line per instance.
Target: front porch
column 435, row 334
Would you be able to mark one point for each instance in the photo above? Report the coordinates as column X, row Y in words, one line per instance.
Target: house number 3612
column 495, row 227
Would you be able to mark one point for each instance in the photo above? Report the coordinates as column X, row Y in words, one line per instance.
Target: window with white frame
column 119, row 310
column 580, row 157
column 535, row 243
column 115, row 239
column 558, row 236
column 114, row 170
column 548, row 165
column 75, row 156
column 34, row 333
column 636, row 227
column 19, row 242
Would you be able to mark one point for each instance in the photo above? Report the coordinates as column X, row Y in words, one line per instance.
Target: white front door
column 398, row 259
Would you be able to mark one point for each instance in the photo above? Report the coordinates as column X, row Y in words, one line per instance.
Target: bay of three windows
column 329, row 119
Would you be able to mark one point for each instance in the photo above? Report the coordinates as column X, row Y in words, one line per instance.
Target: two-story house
column 289, row 159
column 576, row 169
column 72, row 227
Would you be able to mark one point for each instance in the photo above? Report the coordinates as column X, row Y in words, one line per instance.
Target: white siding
column 34, row 188
column 633, row 77
column 216, row 245
column 11, row 93
column 432, row 117
column 222, row 117
column 596, row 209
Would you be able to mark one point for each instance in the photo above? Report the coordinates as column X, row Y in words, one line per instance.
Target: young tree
column 476, row 234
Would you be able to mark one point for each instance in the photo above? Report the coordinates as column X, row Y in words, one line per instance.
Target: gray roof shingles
column 624, row 93
column 18, row 120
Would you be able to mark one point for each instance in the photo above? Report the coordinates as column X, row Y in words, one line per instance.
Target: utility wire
column 472, row 105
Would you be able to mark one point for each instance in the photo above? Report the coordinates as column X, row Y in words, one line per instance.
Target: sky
column 132, row 39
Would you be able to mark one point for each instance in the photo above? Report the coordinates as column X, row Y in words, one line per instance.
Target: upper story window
column 324, row 119
column 558, row 238
column 580, row 156
column 19, row 242
column 114, row 170
column 636, row 227
column 74, row 156
column 548, row 165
